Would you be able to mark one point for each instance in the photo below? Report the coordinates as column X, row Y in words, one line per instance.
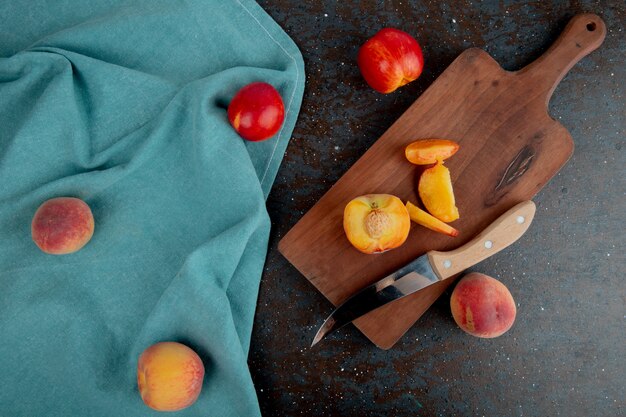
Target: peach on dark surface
column 390, row 59
column 169, row 376
column 482, row 306
column 62, row 225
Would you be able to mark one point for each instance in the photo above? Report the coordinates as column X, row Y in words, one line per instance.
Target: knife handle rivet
column 488, row 244
column 447, row 264
column 520, row 219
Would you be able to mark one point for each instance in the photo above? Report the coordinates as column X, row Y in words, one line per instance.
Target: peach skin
column 390, row 59
column 62, row 225
column 482, row 306
column 169, row 376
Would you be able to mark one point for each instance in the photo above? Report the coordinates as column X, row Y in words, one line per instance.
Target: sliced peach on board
column 429, row 151
column 435, row 190
column 376, row 223
column 420, row 217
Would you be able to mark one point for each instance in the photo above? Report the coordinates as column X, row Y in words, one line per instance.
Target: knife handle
column 504, row 231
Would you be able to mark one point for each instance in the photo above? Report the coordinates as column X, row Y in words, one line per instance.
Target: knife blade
column 432, row 267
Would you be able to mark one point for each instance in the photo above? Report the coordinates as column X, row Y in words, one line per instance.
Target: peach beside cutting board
column 509, row 148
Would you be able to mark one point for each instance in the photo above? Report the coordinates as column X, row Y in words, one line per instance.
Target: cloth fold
column 123, row 104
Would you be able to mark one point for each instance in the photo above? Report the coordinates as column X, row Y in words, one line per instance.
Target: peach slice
column 429, row 151
column 419, row 216
column 435, row 190
column 375, row 223
column 482, row 306
column 169, row 376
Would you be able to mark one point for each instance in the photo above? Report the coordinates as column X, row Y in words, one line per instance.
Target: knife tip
column 317, row 338
column 328, row 326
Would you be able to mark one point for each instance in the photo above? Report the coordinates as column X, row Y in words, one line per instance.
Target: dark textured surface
column 564, row 355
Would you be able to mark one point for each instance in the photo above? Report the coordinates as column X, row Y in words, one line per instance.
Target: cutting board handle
column 582, row 35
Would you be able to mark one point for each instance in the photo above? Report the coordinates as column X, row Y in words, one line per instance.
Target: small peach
column 169, row 376
column 482, row 306
column 62, row 225
column 375, row 223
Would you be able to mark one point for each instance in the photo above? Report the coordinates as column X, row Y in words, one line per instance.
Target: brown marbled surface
column 564, row 355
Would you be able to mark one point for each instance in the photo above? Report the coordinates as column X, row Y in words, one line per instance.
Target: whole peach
column 482, row 306
column 390, row 59
column 169, row 376
column 257, row 111
column 62, row 225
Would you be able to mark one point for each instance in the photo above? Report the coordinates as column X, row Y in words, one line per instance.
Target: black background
column 565, row 352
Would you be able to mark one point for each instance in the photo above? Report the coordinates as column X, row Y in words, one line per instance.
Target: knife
column 432, row 267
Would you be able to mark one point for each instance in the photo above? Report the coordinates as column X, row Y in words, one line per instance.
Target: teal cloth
column 123, row 104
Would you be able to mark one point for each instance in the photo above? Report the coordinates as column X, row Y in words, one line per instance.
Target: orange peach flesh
column 419, row 216
column 376, row 223
column 62, row 225
column 482, row 306
column 435, row 190
column 169, row 376
column 429, row 151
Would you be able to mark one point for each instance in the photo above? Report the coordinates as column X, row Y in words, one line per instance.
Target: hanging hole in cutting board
column 591, row 26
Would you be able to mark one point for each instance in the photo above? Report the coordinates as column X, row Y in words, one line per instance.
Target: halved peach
column 429, row 151
column 435, row 190
column 419, row 216
column 376, row 223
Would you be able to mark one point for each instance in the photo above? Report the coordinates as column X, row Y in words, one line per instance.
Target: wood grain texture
column 509, row 149
column 503, row 232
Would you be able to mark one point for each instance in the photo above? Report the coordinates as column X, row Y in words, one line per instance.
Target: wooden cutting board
column 509, row 149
